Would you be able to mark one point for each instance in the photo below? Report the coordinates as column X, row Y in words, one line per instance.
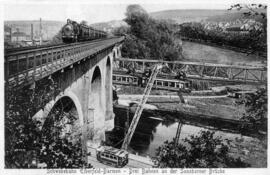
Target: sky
column 96, row 11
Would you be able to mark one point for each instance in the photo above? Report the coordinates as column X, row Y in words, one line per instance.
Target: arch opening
column 108, row 86
column 114, row 55
column 96, row 98
column 61, row 134
column 96, row 89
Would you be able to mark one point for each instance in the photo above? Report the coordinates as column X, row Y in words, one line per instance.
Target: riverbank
column 157, row 126
column 204, row 53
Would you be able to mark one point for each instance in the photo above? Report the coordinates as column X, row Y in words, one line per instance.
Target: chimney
column 32, row 34
column 40, row 32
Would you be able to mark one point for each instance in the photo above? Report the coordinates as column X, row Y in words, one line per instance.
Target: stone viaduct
column 84, row 77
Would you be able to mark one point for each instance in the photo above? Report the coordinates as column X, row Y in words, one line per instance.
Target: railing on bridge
column 26, row 66
column 162, row 84
column 203, row 71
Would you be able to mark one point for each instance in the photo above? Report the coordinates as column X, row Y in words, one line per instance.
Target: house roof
column 18, row 34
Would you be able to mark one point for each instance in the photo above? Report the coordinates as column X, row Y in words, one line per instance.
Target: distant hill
column 233, row 16
column 181, row 16
column 109, row 26
column 49, row 28
column 198, row 15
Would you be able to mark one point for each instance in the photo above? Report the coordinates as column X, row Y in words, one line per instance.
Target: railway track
column 32, row 48
column 26, row 66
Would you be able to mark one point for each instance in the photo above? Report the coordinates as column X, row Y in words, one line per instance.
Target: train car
column 74, row 32
column 112, row 156
column 84, row 33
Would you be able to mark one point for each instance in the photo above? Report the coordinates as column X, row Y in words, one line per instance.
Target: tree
column 28, row 141
column 202, row 151
column 148, row 38
column 21, row 130
column 256, row 110
column 120, row 31
column 57, row 39
column 257, row 11
column 135, row 48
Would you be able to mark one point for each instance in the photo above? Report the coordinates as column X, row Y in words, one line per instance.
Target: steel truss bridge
column 159, row 83
column 197, row 70
column 25, row 66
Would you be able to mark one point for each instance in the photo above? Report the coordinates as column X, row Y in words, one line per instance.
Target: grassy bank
column 204, row 53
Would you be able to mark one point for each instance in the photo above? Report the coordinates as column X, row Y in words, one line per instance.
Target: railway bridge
column 193, row 70
column 83, row 72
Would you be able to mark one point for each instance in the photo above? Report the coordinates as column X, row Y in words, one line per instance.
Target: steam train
column 74, row 32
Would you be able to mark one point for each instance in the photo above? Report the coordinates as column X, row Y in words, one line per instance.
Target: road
column 134, row 161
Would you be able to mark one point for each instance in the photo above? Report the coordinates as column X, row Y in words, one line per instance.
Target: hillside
column 197, row 15
column 109, row 26
column 181, row 16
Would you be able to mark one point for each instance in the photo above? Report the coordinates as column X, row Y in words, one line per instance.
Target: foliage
column 120, row 31
column 147, row 38
column 253, row 9
column 202, row 151
column 57, row 39
column 61, row 139
column 27, row 140
column 256, row 109
column 21, row 130
column 254, row 40
column 135, row 48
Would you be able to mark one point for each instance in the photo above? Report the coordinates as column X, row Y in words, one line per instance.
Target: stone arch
column 64, row 113
column 51, row 104
column 63, row 125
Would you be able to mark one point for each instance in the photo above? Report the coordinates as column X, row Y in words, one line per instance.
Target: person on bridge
column 180, row 94
column 181, row 75
column 115, row 96
column 131, row 70
column 146, row 75
column 140, row 81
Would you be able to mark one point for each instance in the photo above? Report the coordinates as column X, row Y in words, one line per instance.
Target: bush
column 255, row 115
column 202, row 151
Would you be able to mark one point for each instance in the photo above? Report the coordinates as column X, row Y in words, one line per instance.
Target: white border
column 248, row 171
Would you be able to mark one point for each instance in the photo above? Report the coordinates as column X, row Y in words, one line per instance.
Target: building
column 7, row 33
column 19, row 36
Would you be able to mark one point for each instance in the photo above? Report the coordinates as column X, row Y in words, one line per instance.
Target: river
column 153, row 131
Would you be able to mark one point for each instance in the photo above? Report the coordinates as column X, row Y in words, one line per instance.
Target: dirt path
column 136, row 96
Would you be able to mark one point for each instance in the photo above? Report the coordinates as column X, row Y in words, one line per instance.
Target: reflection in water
column 150, row 133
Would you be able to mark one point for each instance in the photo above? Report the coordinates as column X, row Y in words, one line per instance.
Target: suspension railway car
column 112, row 156
column 74, row 32
column 165, row 84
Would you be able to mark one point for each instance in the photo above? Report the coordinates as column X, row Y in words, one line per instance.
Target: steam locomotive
column 74, row 32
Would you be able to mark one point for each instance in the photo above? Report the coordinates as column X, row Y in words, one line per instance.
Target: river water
column 152, row 132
